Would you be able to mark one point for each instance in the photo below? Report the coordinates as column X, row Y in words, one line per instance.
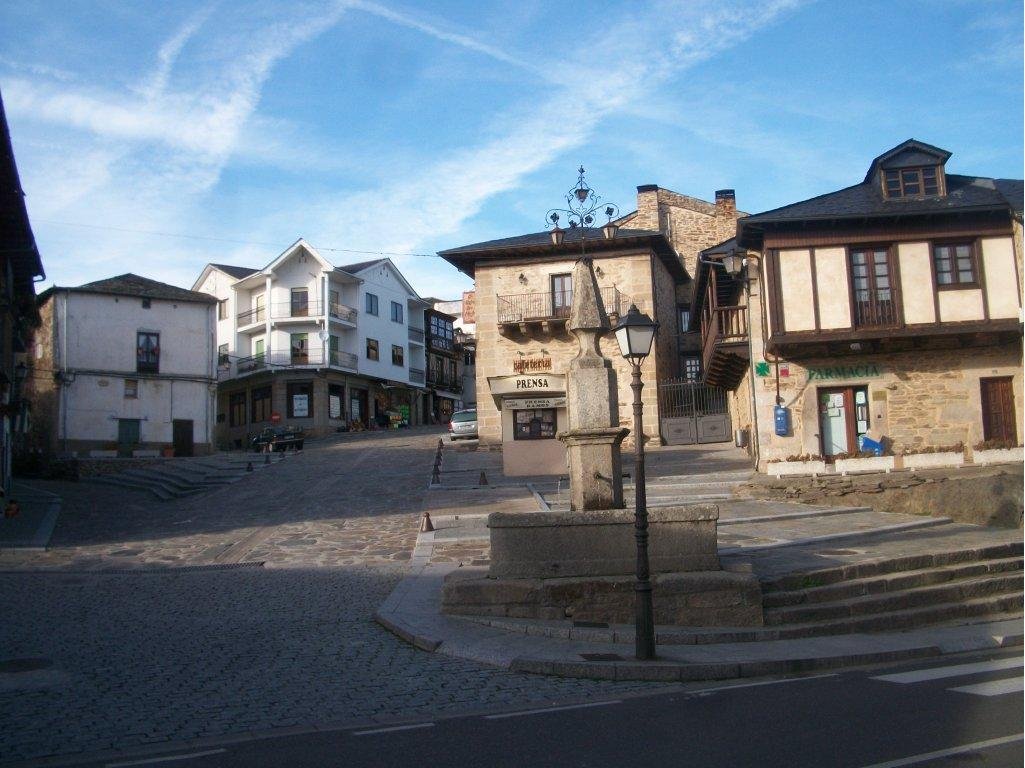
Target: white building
column 306, row 344
column 124, row 366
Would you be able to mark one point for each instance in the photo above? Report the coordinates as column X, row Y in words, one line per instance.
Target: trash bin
column 740, row 438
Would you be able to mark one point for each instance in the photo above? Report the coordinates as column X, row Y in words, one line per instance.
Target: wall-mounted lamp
column 523, row 278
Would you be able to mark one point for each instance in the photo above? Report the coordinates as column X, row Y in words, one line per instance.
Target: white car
column 463, row 424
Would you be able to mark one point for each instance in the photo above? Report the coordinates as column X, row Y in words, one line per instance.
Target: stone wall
column 41, row 388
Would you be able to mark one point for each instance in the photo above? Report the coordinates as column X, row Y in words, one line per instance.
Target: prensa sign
column 528, row 384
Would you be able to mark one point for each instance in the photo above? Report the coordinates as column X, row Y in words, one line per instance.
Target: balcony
column 341, row 312
column 251, row 317
column 724, row 338
column 287, row 360
column 416, row 375
column 446, row 383
column 549, row 311
column 416, row 335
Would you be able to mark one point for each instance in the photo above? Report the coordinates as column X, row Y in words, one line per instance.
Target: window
column 469, row 357
column 300, row 306
column 147, row 303
column 335, row 396
column 562, row 295
column 684, row 317
column 333, row 300
column 397, row 355
column 955, row 265
column 452, row 371
column 434, row 368
column 396, row 312
column 300, row 400
column 873, row 294
column 147, row 352
column 222, row 354
column 371, row 304
column 236, row 409
column 131, row 388
column 300, row 344
column 258, row 348
column 534, row 425
column 332, row 350
column 372, row 353
column 907, row 182
column 442, row 333
column 222, row 309
column 261, row 408
column 692, row 368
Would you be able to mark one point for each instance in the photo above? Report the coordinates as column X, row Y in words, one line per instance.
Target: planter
column 998, row 455
column 929, row 460
column 167, row 453
column 781, row 468
column 867, row 464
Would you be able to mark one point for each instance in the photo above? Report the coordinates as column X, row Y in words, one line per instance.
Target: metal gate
column 691, row 412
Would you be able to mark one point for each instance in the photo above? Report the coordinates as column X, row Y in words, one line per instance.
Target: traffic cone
column 426, row 526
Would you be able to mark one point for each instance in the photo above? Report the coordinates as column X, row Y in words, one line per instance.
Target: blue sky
column 413, row 127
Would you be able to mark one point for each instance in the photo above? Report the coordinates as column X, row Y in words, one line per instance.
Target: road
column 959, row 711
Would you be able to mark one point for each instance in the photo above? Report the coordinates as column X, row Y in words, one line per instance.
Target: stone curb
column 883, row 529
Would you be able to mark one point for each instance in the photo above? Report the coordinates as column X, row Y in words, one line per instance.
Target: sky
column 156, row 137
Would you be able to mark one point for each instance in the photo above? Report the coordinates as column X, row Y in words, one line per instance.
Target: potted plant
column 863, row 461
column 933, row 456
column 996, row 452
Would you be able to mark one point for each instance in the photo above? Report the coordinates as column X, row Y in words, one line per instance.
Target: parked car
column 279, row 439
column 463, row 424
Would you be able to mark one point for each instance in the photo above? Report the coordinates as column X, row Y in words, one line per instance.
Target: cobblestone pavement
column 93, row 659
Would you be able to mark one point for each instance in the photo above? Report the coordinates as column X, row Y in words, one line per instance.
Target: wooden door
column 127, row 436
column 998, row 418
column 181, row 434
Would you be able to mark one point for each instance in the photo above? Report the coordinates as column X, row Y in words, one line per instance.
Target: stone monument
column 594, row 435
column 581, row 564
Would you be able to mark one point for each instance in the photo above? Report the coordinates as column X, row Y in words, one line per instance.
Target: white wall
column 381, row 281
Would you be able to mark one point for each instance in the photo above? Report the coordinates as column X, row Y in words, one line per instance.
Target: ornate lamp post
column 635, row 333
column 582, row 205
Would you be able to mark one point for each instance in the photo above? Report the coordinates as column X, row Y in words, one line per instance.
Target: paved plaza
column 152, row 622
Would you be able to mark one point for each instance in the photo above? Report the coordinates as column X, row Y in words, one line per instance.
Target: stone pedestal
column 595, row 464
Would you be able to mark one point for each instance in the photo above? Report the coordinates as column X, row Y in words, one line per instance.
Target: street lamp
column 635, row 333
column 582, row 207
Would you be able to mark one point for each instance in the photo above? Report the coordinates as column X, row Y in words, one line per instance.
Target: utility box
column 781, row 419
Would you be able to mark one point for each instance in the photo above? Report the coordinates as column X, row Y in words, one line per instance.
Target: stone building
column 20, row 267
column 443, row 380
column 465, row 326
column 123, row 366
column 306, row 344
column 523, row 297
column 890, row 310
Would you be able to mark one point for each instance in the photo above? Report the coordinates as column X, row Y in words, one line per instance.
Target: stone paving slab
column 33, row 526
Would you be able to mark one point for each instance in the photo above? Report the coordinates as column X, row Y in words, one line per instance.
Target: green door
column 127, row 436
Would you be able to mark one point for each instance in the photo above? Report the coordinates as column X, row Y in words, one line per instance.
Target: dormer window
column 911, row 182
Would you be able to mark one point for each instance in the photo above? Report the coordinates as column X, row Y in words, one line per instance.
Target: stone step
column 720, row 478
column 135, row 484
column 990, row 606
column 869, row 568
column 890, row 582
column 992, row 585
column 159, row 476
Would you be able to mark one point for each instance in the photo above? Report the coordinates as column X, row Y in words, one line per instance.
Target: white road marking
column 994, row 687
column 926, row 756
column 938, row 673
column 393, row 728
column 167, row 759
column 504, row 715
column 716, row 689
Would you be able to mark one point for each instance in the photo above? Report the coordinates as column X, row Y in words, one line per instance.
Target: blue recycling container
column 867, row 444
column 781, row 418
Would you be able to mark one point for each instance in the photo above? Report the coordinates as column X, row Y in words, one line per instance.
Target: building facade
column 523, row 297
column 464, row 323
column 444, row 377
column 303, row 343
column 20, row 267
column 124, row 366
column 889, row 310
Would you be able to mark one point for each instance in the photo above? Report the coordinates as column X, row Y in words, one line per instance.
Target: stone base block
column 601, row 542
column 693, row 599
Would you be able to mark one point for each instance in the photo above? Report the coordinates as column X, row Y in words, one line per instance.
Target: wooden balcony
column 724, row 341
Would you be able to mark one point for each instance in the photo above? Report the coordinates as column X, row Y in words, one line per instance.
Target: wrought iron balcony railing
column 554, row 305
column 256, row 315
column 295, row 359
column 416, row 375
column 445, row 382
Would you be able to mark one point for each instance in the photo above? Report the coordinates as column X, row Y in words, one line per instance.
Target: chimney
column 647, row 208
column 726, row 203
